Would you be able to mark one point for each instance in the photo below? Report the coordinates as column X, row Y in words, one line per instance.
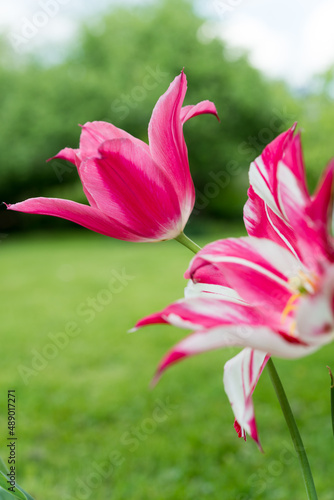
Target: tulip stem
column 332, row 396
column 187, row 242
column 296, row 438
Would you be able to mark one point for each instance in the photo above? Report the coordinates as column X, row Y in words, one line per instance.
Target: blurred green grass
column 91, row 406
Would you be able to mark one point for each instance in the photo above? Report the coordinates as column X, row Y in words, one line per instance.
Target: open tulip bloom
column 271, row 292
column 136, row 191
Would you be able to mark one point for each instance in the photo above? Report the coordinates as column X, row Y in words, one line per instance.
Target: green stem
column 296, row 438
column 332, row 396
column 187, row 242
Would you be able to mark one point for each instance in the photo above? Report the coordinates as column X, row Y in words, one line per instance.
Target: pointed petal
column 204, row 107
column 261, row 222
column 313, row 243
column 207, row 311
column 67, row 154
column 265, row 179
column 293, row 158
column 241, row 375
column 74, row 156
column 128, row 185
column 263, row 171
column 260, row 338
column 84, row 215
column 321, row 207
column 167, row 144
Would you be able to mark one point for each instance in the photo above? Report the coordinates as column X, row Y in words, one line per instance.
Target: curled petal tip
column 239, row 430
column 67, row 154
column 155, row 379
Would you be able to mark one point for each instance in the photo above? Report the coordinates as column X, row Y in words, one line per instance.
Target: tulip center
column 301, row 284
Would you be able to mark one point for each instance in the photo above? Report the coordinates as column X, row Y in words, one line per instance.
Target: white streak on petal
column 241, row 375
column 283, row 238
column 215, row 291
column 247, row 263
column 260, row 338
column 175, row 320
column 257, row 178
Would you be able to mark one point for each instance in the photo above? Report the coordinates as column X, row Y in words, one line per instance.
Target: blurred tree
column 116, row 72
column 318, row 125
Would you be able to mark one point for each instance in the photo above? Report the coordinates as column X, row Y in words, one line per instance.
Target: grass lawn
column 89, row 426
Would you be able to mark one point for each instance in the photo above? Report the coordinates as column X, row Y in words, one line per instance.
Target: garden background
column 88, row 425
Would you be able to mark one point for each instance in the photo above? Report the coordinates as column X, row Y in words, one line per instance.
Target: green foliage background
column 116, row 71
column 73, row 412
column 86, row 399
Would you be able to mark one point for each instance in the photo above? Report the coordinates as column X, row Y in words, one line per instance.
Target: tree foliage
column 116, row 72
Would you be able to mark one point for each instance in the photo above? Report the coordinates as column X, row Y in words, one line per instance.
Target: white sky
column 290, row 39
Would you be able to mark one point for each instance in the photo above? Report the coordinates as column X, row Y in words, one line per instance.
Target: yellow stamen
column 292, row 329
column 309, row 280
column 290, row 306
column 302, row 283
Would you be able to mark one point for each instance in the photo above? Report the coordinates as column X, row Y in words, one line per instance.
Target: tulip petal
column 204, row 312
column 265, row 179
column 203, row 107
column 293, row 159
column 67, row 154
column 257, row 269
column 313, row 243
column 315, row 314
column 260, row 338
column 321, row 207
column 241, row 374
column 74, row 156
column 167, row 145
column 126, row 183
column 263, row 171
column 215, row 291
column 95, row 133
column 84, row 215
column 221, row 320
column 204, row 272
column 261, row 222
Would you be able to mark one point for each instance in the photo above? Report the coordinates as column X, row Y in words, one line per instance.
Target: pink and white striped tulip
column 136, row 191
column 271, row 292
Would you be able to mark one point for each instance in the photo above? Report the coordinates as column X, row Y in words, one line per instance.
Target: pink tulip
column 136, row 192
column 271, row 292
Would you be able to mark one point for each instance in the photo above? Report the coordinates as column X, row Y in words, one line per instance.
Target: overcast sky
column 291, row 39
